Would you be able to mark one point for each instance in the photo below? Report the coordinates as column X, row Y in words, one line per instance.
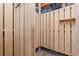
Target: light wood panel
column 8, row 29
column 61, row 14
column 52, row 28
column 61, row 38
column 56, row 30
column 35, row 32
column 38, row 30
column 1, row 29
column 45, row 30
column 42, row 29
column 22, row 39
column 32, row 27
column 73, row 34
column 67, row 13
column 73, row 11
column 29, row 29
column 67, row 37
column 26, row 30
column 48, row 29
column 16, row 31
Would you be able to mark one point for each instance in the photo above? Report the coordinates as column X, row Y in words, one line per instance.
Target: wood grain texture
column 73, row 11
column 61, row 13
column 52, row 28
column 8, row 29
column 45, row 30
column 61, row 38
column 56, row 30
column 22, row 40
column 48, row 29
column 67, row 12
column 42, row 32
column 67, row 37
column 1, row 29
column 16, row 31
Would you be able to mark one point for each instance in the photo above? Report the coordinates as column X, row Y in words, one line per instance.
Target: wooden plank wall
column 21, row 30
column 26, row 29
column 58, row 29
column 6, row 29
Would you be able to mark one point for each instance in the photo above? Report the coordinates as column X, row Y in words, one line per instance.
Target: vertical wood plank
column 39, row 29
column 73, row 33
column 45, row 29
column 56, row 30
column 61, row 14
column 52, row 37
column 67, row 37
column 73, row 11
column 8, row 29
column 42, row 32
column 16, row 31
column 31, row 20
column 1, row 29
column 61, row 39
column 32, row 27
column 21, row 29
column 26, row 30
column 37, row 24
column 67, row 12
column 48, row 30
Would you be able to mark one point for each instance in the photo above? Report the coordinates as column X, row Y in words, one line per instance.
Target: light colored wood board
column 30, row 23
column 8, row 17
column 1, row 29
column 56, row 30
column 67, row 12
column 48, row 30
column 43, row 29
column 32, row 27
column 73, row 34
column 61, row 14
column 73, row 11
column 61, row 38
column 52, row 37
column 16, row 31
column 8, row 43
column 26, row 29
column 39, row 29
column 29, row 30
column 67, row 37
column 29, row 37
column 22, row 29
column 42, row 32
column 35, row 31
column 45, row 23
column 76, row 33
column 8, row 29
